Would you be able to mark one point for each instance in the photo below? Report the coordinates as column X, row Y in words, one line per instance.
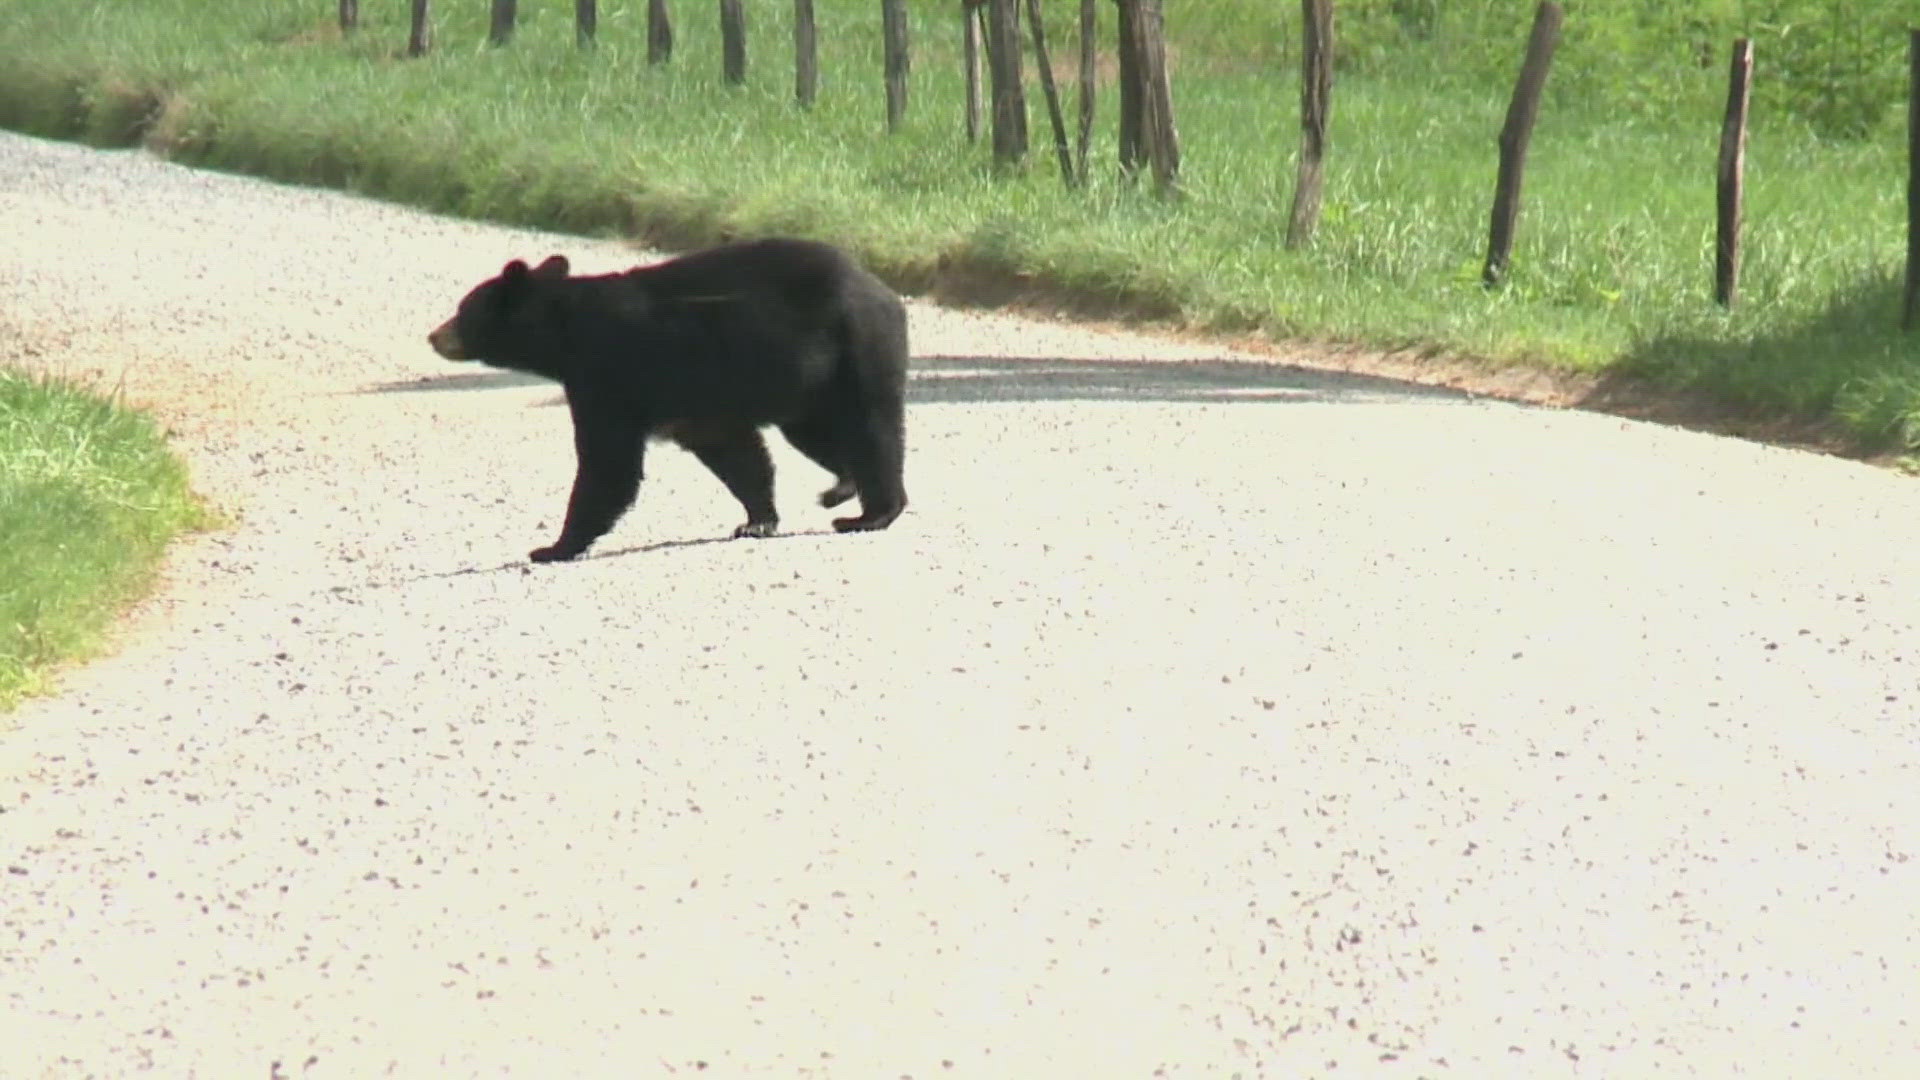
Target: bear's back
column 801, row 273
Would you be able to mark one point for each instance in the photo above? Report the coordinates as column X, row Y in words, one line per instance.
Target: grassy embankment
column 89, row 499
column 1611, row 271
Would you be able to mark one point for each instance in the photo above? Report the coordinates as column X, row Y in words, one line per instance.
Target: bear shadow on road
column 482, row 379
column 526, row 567
column 950, row 380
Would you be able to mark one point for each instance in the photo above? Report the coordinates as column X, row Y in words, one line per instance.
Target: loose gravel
column 1201, row 717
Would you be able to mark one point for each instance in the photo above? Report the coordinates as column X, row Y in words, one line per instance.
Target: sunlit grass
column 1612, row 269
column 89, row 499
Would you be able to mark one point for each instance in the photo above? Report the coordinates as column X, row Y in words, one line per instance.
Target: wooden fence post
column 586, row 21
column 1044, row 61
column 970, row 34
column 500, row 27
column 806, row 54
column 349, row 15
column 1132, row 144
column 1514, row 134
column 1910, row 316
column 1733, row 162
column 1089, row 56
column 733, row 41
column 1159, row 136
column 1316, row 89
column 899, row 61
column 1003, row 66
column 420, row 30
column 659, row 32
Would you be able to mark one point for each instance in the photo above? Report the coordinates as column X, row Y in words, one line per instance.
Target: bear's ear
column 554, row 269
column 514, row 271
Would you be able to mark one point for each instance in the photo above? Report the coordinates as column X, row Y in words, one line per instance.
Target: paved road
column 1200, row 718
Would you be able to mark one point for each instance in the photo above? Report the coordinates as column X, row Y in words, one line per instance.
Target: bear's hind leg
column 814, row 438
column 739, row 458
column 840, row 492
column 876, row 454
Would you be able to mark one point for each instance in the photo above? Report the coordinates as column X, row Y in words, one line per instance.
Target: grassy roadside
column 89, row 499
column 1611, row 271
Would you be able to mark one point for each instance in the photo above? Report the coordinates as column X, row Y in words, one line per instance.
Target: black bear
column 706, row 349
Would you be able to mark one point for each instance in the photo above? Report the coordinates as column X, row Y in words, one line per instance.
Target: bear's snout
column 446, row 341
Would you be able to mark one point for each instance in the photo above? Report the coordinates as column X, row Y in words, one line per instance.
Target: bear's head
column 503, row 321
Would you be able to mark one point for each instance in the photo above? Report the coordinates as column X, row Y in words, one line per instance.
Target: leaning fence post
column 1733, row 161
column 1515, row 133
column 1044, row 61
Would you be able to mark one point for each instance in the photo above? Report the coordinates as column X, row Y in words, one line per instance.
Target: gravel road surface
column 1200, row 718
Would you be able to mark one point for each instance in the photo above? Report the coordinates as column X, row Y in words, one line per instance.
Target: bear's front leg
column 739, row 458
column 605, row 481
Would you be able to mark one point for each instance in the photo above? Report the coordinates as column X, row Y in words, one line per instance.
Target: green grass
column 89, row 499
column 1611, row 272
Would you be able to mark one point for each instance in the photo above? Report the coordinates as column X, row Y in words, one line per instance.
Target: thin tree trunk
column 349, row 15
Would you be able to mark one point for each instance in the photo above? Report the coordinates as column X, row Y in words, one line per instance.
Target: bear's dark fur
column 706, row 349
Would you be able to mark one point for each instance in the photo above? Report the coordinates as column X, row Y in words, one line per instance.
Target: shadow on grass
column 1845, row 380
column 961, row 380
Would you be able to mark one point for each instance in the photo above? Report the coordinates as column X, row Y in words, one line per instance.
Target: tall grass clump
column 1611, row 271
column 89, row 498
